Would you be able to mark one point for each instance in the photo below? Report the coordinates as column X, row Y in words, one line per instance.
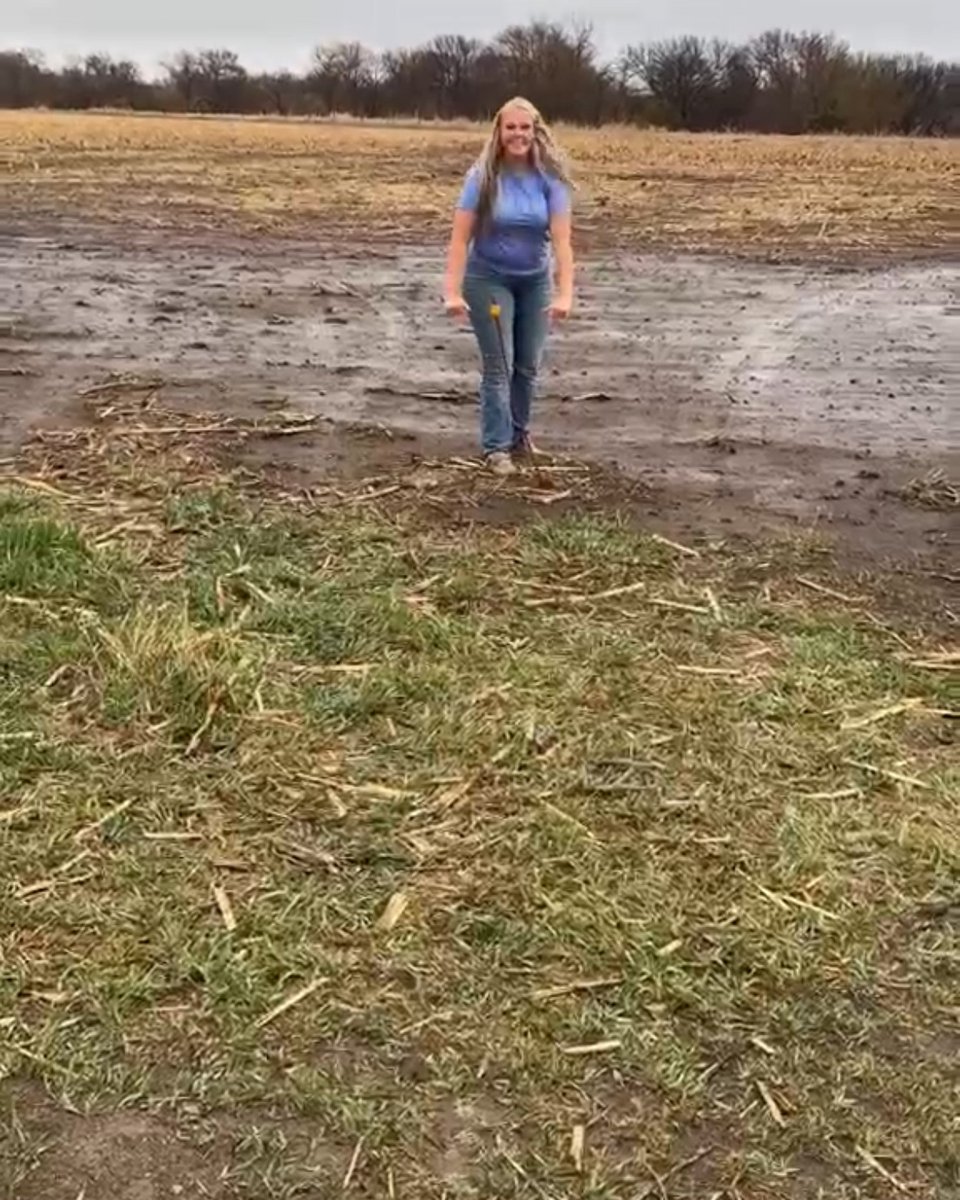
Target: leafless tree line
column 778, row 81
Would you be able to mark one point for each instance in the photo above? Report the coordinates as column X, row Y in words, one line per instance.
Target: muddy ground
column 741, row 396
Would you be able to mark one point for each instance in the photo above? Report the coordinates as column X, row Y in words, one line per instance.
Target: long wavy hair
column 545, row 155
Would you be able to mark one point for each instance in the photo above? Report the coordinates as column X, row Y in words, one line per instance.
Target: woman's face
column 516, row 134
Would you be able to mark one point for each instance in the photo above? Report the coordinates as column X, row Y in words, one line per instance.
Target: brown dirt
column 138, row 1155
column 787, row 198
column 124, row 1156
column 743, row 398
column 722, row 397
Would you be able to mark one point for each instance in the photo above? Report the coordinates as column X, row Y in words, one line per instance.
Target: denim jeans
column 509, row 367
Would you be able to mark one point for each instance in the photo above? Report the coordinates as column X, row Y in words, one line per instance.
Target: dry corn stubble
column 670, row 877
column 819, row 196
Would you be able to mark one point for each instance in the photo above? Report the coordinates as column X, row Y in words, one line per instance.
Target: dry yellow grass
column 827, row 196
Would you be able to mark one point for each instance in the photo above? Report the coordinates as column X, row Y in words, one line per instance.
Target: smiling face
column 516, row 134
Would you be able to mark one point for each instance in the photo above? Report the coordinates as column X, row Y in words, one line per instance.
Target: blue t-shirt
column 516, row 238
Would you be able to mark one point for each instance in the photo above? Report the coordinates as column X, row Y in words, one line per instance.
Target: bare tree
column 282, row 92
column 734, row 86
column 926, row 95
column 223, row 80
column 775, row 63
column 208, row 80
column 184, row 77
column 408, row 83
column 778, row 81
column 823, row 70
column 454, row 61
column 22, row 78
column 99, row 81
column 679, row 75
column 950, row 99
column 344, row 77
column 555, row 67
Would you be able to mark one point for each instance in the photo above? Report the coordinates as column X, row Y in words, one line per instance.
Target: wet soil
column 727, row 396
column 744, row 397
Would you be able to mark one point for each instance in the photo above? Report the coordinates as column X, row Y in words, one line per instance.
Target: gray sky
column 275, row 33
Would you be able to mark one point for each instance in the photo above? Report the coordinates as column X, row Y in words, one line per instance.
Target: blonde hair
column 545, row 155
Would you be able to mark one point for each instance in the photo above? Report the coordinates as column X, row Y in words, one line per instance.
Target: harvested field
column 781, row 196
column 373, row 827
column 342, row 839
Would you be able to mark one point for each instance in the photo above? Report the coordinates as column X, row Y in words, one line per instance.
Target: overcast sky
column 275, row 33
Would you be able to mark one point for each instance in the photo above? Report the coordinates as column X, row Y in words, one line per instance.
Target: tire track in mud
column 739, row 392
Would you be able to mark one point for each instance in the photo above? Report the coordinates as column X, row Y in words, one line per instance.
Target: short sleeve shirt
column 516, row 239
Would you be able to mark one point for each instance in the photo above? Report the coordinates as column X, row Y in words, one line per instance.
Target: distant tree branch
column 778, row 81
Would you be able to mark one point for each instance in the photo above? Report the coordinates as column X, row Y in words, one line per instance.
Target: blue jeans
column 510, row 366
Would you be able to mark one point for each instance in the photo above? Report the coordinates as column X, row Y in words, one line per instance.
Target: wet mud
column 741, row 396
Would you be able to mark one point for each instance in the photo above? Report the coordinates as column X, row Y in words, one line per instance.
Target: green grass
column 316, row 709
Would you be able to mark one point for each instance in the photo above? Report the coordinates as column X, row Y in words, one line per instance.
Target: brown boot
column 524, row 450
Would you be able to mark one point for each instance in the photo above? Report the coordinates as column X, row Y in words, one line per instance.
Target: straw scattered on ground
column 348, row 849
column 818, row 197
column 933, row 490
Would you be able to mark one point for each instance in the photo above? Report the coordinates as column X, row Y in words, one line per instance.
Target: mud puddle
column 743, row 396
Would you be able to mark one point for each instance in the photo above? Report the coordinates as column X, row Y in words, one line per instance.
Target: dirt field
column 243, row 264
column 372, row 827
column 773, row 197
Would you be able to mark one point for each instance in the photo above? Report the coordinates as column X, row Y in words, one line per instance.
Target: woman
column 512, row 220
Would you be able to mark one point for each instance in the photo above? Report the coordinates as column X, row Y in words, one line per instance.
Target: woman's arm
column 562, row 238
column 460, row 235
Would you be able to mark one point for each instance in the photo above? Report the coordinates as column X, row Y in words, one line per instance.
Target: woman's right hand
column 456, row 306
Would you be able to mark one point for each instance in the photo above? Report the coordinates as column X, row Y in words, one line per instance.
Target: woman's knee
column 494, row 367
column 529, row 352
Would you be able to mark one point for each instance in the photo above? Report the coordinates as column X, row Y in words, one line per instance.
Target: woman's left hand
column 559, row 308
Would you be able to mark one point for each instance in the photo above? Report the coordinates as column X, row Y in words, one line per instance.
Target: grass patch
column 542, row 829
column 39, row 555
